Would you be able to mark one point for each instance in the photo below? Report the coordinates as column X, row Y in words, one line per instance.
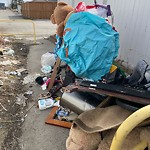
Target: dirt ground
column 12, row 115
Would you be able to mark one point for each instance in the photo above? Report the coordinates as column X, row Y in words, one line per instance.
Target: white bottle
column 45, row 103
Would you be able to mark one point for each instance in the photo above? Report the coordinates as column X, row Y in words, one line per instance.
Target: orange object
column 67, row 29
column 66, row 52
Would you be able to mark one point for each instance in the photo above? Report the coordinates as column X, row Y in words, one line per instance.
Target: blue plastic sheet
column 90, row 45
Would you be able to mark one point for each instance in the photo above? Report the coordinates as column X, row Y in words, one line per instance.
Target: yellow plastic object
column 34, row 33
column 140, row 146
column 113, row 68
column 128, row 125
column 57, row 98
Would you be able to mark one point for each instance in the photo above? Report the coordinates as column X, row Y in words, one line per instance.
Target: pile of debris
column 89, row 93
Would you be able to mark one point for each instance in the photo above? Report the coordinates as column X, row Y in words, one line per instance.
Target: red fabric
column 80, row 7
column 90, row 7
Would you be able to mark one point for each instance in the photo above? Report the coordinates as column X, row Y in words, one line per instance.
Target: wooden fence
column 38, row 10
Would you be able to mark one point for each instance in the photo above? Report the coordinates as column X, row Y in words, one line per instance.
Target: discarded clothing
column 41, row 80
column 138, row 73
column 90, row 45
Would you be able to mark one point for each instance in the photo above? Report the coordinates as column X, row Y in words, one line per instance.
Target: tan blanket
column 101, row 119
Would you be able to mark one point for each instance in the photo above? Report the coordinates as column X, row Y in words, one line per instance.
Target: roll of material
column 80, row 101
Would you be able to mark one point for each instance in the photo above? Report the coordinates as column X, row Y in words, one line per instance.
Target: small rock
column 29, row 92
column 21, row 100
column 1, row 83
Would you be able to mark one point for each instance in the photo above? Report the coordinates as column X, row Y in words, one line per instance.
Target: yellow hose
column 127, row 126
column 141, row 146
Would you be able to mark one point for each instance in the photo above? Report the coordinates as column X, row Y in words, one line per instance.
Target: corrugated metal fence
column 38, row 10
column 132, row 20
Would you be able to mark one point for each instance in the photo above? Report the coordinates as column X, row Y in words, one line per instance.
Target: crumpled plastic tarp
column 90, row 45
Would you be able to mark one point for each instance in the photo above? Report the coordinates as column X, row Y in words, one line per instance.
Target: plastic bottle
column 45, row 103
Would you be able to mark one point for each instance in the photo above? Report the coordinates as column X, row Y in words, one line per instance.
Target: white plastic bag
column 48, row 59
column 99, row 11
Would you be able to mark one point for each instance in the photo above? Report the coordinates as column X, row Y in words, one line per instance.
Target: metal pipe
column 33, row 24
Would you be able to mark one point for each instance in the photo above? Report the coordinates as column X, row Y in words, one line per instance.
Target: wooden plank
column 54, row 73
column 136, row 99
column 105, row 102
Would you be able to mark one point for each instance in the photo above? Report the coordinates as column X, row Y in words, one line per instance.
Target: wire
column 95, row 2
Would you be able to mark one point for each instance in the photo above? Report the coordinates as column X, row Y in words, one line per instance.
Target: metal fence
column 33, row 33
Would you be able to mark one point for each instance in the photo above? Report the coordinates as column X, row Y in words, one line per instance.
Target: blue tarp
column 91, row 43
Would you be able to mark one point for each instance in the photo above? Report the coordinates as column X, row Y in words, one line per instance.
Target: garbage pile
column 88, row 47
column 87, row 44
column 88, row 56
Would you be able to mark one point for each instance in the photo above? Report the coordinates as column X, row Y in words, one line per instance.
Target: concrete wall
column 132, row 20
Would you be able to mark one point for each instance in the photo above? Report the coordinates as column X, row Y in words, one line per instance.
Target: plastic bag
column 46, row 69
column 99, row 10
column 48, row 59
